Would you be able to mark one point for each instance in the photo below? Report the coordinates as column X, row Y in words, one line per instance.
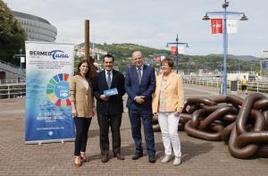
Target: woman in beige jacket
column 167, row 104
column 82, row 109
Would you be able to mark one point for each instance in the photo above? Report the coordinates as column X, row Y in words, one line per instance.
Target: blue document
column 110, row 92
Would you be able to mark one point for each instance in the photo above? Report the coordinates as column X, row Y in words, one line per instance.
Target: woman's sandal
column 83, row 157
column 77, row 161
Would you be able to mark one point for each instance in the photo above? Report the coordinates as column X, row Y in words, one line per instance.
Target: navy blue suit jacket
column 146, row 87
column 115, row 103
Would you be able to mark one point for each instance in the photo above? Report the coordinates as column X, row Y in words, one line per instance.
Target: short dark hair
column 168, row 61
column 109, row 56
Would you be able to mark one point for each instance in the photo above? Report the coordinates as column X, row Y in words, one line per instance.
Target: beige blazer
column 173, row 93
column 81, row 97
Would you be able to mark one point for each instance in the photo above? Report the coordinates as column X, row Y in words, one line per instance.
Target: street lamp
column 225, row 36
column 21, row 58
column 177, row 43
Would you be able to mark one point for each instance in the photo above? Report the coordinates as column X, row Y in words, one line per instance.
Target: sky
column 153, row 23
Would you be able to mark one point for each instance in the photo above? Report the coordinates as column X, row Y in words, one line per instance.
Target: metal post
column 225, row 38
column 177, row 43
column 225, row 47
column 177, row 63
column 20, row 59
column 86, row 39
column 261, row 68
column 177, row 54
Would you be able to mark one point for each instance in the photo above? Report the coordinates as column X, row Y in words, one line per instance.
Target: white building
column 36, row 28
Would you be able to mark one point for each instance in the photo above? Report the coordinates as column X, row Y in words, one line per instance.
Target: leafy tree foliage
column 12, row 35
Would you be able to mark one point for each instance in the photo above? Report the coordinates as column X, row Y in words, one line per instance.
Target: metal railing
column 258, row 86
column 7, row 67
column 11, row 81
column 12, row 90
column 254, row 86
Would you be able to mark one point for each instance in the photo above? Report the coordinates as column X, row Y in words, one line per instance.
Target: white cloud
column 152, row 22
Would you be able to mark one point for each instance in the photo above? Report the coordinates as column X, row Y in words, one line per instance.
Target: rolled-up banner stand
column 48, row 107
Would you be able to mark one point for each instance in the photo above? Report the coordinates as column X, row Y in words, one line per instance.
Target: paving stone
column 200, row 158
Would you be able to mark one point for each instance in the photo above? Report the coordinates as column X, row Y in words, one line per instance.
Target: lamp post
column 224, row 14
column 20, row 58
column 177, row 43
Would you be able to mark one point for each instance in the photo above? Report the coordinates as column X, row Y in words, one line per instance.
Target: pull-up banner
column 48, row 108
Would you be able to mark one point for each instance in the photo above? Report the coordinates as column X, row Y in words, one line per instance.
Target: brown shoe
column 83, row 157
column 104, row 158
column 119, row 156
column 77, row 161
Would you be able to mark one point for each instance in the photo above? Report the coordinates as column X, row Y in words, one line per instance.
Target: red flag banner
column 216, row 26
column 173, row 50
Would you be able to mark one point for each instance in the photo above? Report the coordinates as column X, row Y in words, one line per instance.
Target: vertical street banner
column 231, row 26
column 216, row 26
column 173, row 50
column 48, row 107
column 181, row 49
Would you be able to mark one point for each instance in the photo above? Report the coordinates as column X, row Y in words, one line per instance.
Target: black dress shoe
column 152, row 159
column 104, row 158
column 137, row 156
column 119, row 156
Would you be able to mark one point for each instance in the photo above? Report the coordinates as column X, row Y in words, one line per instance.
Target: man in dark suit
column 108, row 90
column 139, row 85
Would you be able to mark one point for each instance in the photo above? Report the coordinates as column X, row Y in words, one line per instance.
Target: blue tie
column 109, row 80
column 139, row 74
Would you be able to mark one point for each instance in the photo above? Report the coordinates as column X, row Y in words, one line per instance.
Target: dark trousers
column 81, row 130
column 106, row 121
column 135, row 120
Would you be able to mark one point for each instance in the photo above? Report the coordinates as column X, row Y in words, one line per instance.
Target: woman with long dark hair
column 83, row 109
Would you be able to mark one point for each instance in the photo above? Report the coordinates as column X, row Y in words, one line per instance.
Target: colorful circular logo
column 58, row 90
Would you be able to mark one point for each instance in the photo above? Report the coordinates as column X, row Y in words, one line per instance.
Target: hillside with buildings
column 187, row 63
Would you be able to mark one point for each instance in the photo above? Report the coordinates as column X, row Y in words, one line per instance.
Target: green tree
column 12, row 35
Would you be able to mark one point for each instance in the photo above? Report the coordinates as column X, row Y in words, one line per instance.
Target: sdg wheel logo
column 58, row 90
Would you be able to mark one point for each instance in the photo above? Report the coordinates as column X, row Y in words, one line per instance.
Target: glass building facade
column 36, row 28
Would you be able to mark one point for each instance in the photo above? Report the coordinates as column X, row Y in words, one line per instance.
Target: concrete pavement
column 200, row 158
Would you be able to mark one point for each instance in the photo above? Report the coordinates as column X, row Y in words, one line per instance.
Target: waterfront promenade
column 200, row 158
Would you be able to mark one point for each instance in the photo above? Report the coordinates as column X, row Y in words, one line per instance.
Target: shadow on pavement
column 191, row 149
column 95, row 132
column 130, row 150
